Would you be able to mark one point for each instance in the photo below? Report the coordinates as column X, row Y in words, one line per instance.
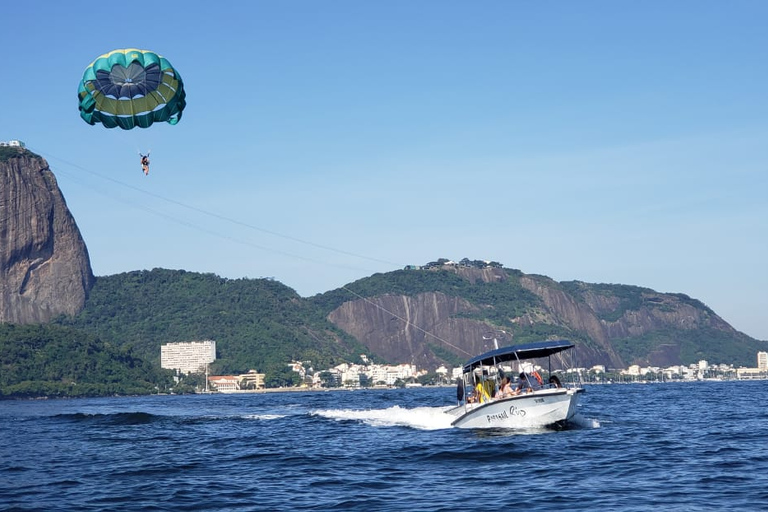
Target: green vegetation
column 692, row 302
column 636, row 350
column 630, row 297
column 57, row 361
column 692, row 345
column 8, row 152
column 542, row 331
column 258, row 324
column 447, row 356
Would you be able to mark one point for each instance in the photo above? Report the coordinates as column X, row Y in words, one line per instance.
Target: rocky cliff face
column 658, row 325
column 564, row 309
column 44, row 266
column 404, row 329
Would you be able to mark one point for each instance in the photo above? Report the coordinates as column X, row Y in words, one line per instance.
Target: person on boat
column 505, row 388
column 525, row 384
column 480, row 393
column 460, row 390
column 490, row 387
column 554, row 382
column 484, row 390
column 535, row 381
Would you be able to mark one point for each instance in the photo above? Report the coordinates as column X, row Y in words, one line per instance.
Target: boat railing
column 469, row 400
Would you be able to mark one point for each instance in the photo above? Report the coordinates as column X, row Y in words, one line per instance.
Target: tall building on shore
column 188, row 357
column 762, row 361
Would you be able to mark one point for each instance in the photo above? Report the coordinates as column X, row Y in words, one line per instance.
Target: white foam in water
column 423, row 418
column 583, row 422
column 264, row 416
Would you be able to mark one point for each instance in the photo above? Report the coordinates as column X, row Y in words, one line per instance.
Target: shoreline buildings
column 193, row 357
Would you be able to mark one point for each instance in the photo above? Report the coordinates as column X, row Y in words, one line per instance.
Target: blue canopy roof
column 518, row 352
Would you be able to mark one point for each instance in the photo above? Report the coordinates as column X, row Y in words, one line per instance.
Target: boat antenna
column 495, row 338
column 495, row 341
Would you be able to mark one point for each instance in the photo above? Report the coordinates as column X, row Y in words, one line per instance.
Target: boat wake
column 580, row 421
column 422, row 418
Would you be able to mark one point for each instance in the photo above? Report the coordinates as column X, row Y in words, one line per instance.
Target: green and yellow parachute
column 129, row 88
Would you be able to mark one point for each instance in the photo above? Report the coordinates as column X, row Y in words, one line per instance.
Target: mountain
column 446, row 312
column 437, row 314
column 44, row 266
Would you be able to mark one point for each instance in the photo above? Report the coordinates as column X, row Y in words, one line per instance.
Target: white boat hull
column 538, row 409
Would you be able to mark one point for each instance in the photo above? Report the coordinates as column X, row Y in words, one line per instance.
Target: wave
column 263, row 417
column 145, row 418
column 119, row 418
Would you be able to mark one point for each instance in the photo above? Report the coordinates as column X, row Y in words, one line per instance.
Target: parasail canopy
column 129, row 88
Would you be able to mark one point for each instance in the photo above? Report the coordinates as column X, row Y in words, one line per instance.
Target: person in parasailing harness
column 145, row 163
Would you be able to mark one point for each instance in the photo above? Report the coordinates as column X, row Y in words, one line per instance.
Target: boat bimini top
column 517, row 353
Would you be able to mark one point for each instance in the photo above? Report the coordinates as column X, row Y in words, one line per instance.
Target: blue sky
column 324, row 141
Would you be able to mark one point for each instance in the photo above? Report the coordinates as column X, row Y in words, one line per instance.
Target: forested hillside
column 37, row 360
column 257, row 324
column 7, row 152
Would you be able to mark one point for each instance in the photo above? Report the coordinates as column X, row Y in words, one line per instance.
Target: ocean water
column 678, row 446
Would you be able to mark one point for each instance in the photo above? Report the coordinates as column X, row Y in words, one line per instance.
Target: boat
column 551, row 404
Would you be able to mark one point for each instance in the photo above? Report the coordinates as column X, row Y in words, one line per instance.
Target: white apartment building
column 188, row 357
column 351, row 377
column 390, row 374
column 762, row 361
column 748, row 373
